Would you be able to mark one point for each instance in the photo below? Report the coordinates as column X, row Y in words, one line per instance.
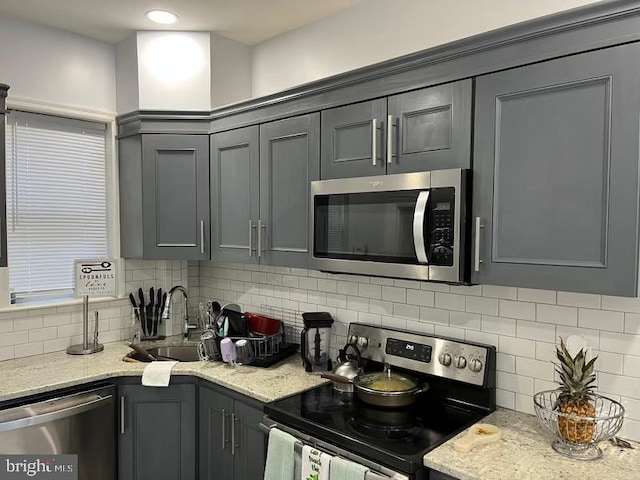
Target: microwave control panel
column 442, row 226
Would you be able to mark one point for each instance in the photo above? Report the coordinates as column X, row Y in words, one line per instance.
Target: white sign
column 96, row 278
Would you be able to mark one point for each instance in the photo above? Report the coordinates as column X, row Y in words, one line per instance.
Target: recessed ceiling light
column 162, row 16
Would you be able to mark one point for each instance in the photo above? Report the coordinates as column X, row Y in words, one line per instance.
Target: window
column 56, row 200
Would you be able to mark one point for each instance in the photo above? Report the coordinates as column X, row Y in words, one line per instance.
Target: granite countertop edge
column 57, row 370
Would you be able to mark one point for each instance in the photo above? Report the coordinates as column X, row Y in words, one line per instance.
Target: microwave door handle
column 418, row 226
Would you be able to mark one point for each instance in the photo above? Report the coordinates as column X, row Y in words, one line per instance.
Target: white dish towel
column 342, row 469
column 280, row 456
column 315, row 464
column 157, row 374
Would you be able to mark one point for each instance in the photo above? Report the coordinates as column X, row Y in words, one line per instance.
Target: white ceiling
column 247, row 21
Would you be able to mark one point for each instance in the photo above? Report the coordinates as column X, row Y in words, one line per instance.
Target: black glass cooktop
column 398, row 438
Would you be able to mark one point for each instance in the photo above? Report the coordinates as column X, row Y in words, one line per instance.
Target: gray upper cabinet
column 3, row 176
column 289, row 161
column 164, row 197
column 426, row 129
column 157, row 433
column 260, row 191
column 556, row 174
column 235, row 195
column 232, row 447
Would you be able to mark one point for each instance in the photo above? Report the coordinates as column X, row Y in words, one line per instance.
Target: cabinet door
column 3, row 177
column 158, row 440
column 352, row 140
column 175, row 172
column 214, row 420
column 556, row 173
column 289, row 161
column 234, row 195
column 430, row 129
column 249, row 459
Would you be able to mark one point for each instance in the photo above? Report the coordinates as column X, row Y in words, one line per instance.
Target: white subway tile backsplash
column 559, row 315
column 358, row 304
column 420, row 327
column 534, row 368
column 337, row 300
column 40, row 334
column 541, row 385
column 499, row 325
column 524, row 403
column 381, row 307
column 536, row 331
column 517, row 346
column 519, row 310
column 435, row 287
column 620, row 343
column 434, row 315
column 620, row 385
column 505, row 399
column 394, row 294
column 471, row 290
column 421, row 297
column 27, row 323
column 623, row 304
column 505, row 363
column 632, row 408
column 370, row 318
column 381, row 281
column 451, row 332
column 601, row 319
column 408, row 312
column 481, row 337
column 469, row 321
column 591, row 336
column 451, row 301
column 414, row 284
column 494, row 291
column 545, row 351
column 327, row 285
column 631, row 366
column 482, row 305
column 514, row 383
column 632, row 323
column 370, row 291
column 14, row 338
column 609, row 362
column 308, row 283
column 572, row 299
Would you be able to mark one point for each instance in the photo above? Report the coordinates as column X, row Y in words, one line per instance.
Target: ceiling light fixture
column 162, row 16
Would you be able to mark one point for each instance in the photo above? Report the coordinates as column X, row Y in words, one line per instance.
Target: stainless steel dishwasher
column 81, row 423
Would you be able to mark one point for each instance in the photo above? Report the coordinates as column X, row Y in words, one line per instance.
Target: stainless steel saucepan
column 384, row 389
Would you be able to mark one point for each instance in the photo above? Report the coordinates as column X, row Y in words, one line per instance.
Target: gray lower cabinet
column 231, row 445
column 260, row 191
column 164, row 196
column 3, row 177
column 556, row 174
column 157, row 432
column 426, row 129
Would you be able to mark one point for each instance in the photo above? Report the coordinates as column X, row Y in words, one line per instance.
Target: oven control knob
column 475, row 365
column 460, row 361
column 445, row 359
column 353, row 339
column 363, row 342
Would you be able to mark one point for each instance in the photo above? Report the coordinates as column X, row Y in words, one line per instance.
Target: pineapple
column 576, row 395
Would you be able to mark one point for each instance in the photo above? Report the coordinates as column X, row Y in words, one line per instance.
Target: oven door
column 405, row 226
column 376, row 471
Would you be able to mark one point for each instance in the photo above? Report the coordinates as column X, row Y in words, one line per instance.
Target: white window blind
column 56, row 200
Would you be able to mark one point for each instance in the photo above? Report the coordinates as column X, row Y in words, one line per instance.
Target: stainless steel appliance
column 81, row 423
column 411, row 225
column 392, row 442
column 315, row 341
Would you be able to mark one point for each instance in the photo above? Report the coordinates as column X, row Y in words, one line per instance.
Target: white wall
column 128, row 98
column 230, row 71
column 56, row 67
column 174, row 70
column 376, row 30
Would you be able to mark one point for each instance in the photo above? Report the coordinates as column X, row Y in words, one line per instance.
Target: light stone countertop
column 525, row 452
column 52, row 371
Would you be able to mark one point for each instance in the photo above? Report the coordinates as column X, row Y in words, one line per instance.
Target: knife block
column 141, row 333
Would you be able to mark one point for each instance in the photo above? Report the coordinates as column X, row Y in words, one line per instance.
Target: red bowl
column 261, row 324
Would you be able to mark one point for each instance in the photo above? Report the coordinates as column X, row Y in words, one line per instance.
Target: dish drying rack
column 270, row 349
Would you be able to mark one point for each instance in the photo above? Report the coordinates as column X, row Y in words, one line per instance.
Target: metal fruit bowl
column 606, row 423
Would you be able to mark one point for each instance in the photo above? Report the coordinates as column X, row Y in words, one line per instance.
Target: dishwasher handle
column 10, row 419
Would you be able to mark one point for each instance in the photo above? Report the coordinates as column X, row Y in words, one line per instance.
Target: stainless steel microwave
column 411, row 225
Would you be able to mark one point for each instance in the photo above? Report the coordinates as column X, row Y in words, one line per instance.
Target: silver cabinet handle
column 202, row 236
column 234, row 419
column 390, row 138
column 477, row 259
column 260, row 227
column 374, row 141
column 122, row 415
column 251, row 227
column 418, row 226
column 224, row 433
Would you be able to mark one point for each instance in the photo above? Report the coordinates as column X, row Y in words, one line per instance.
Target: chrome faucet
column 166, row 313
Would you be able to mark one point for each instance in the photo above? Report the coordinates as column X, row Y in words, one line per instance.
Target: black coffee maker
column 315, row 341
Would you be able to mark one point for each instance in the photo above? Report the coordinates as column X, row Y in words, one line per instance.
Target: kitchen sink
column 181, row 353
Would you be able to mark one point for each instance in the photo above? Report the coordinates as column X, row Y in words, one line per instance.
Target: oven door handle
column 418, row 227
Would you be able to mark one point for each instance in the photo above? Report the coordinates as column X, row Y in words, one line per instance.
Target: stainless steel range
column 392, row 442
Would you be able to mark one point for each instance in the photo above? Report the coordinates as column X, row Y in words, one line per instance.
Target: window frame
column 112, row 190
